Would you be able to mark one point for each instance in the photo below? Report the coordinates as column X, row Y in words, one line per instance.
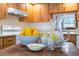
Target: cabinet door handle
column 9, row 40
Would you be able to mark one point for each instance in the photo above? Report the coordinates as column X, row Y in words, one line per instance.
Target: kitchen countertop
column 71, row 33
column 20, row 50
column 6, row 35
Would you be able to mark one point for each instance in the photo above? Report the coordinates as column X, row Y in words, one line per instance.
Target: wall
column 43, row 26
column 12, row 20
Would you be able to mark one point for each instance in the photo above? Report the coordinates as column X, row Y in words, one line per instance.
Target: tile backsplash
column 47, row 26
column 12, row 20
column 43, row 26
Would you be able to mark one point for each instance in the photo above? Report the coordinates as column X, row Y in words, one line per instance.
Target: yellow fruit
column 28, row 34
column 35, row 33
column 27, row 29
column 22, row 33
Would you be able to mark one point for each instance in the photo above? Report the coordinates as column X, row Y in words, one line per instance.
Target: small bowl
column 35, row 46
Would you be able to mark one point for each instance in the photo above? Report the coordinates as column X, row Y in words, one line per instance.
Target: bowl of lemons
column 35, row 46
column 29, row 35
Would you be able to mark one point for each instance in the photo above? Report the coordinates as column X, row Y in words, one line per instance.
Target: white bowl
column 35, row 46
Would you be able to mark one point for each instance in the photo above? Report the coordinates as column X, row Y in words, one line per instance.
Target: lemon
column 28, row 34
column 35, row 33
column 22, row 33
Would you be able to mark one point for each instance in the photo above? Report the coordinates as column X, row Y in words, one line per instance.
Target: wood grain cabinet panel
column 29, row 10
column 56, row 7
column 8, row 41
column 22, row 6
column 41, row 13
column 13, row 5
column 77, row 11
column 45, row 16
column 37, row 13
column 3, row 10
column 77, row 15
column 62, row 7
column 70, row 7
column 1, row 46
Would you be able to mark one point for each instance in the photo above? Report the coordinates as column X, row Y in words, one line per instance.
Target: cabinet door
column 21, row 6
column 29, row 11
column 77, row 11
column 3, row 10
column 41, row 13
column 1, row 45
column 29, row 17
column 70, row 6
column 37, row 13
column 8, row 41
column 77, row 15
column 13, row 5
column 45, row 16
column 56, row 7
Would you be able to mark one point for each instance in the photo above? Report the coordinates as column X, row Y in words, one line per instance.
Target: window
column 68, row 20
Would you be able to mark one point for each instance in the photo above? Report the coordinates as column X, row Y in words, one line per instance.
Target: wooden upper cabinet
column 70, row 6
column 45, row 16
column 3, row 10
column 55, row 7
column 13, row 5
column 29, row 11
column 36, row 13
column 77, row 11
column 41, row 13
column 62, row 7
column 21, row 6
column 78, row 16
column 77, row 6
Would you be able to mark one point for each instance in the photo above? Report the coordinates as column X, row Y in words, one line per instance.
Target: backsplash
column 46, row 26
column 43, row 26
column 12, row 20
